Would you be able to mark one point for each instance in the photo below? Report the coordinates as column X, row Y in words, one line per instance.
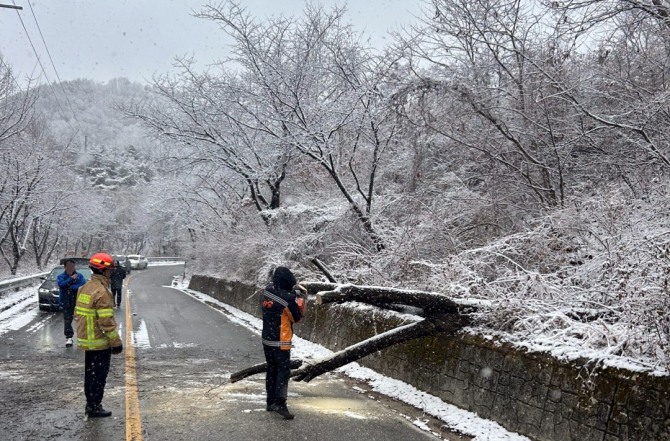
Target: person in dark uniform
column 118, row 275
column 69, row 281
column 282, row 304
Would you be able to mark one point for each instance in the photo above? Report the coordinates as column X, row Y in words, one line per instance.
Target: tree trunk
column 438, row 323
column 307, row 370
column 316, row 287
column 258, row 369
column 431, row 303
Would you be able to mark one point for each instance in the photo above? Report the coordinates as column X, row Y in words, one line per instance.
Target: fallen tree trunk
column 307, row 370
column 443, row 316
column 316, row 287
column 258, row 369
column 431, row 303
column 437, row 323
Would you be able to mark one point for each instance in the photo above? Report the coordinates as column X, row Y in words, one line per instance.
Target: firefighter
column 282, row 304
column 97, row 333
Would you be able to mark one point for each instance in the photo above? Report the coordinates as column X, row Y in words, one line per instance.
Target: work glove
column 117, row 349
column 300, row 291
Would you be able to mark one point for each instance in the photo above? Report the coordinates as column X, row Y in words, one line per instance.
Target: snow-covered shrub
column 593, row 276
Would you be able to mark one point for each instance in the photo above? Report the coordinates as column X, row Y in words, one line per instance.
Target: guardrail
column 9, row 285
column 166, row 259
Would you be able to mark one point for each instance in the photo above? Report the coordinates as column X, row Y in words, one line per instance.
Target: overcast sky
column 105, row 39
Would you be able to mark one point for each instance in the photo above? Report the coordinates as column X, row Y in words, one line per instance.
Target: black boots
column 282, row 410
column 97, row 411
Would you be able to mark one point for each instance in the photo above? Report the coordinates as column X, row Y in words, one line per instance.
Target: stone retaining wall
column 529, row 393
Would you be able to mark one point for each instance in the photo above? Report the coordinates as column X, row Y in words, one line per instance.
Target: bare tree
column 27, row 198
column 485, row 82
column 45, row 237
column 217, row 127
column 16, row 106
column 313, row 86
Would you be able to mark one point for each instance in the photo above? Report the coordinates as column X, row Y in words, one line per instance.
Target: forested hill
column 89, row 108
column 112, row 150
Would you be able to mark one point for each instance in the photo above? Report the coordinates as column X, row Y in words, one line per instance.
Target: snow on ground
column 561, row 350
column 17, row 309
column 141, row 336
column 11, row 298
column 40, row 324
column 180, row 282
column 454, row 417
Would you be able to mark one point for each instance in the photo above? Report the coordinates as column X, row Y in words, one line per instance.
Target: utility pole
column 11, row 6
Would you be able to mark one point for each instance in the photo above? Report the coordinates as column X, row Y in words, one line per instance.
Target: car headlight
column 43, row 291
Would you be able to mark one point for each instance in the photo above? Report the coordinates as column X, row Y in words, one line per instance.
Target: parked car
column 137, row 261
column 124, row 261
column 48, row 291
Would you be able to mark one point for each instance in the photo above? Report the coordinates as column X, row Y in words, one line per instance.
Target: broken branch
column 322, row 267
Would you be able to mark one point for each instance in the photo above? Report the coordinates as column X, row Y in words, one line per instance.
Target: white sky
column 105, row 39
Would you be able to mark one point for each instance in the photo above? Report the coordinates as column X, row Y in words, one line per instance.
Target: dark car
column 48, row 291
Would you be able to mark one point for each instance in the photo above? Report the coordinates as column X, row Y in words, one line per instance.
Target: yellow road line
column 133, row 421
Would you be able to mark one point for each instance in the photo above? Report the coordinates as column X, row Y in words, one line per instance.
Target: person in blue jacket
column 69, row 281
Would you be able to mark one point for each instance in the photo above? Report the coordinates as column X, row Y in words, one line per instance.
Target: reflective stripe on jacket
column 94, row 313
column 280, row 310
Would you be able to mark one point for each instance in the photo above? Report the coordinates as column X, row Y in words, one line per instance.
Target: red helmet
column 101, row 261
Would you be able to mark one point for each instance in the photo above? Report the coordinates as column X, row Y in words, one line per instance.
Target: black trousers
column 116, row 294
column 95, row 375
column 68, row 315
column 277, row 374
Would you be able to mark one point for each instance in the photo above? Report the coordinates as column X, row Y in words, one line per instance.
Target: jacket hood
column 283, row 278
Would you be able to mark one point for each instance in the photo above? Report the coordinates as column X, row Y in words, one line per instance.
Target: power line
column 60, row 82
column 40, row 63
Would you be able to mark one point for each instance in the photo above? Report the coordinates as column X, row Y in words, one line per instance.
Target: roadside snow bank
column 17, row 309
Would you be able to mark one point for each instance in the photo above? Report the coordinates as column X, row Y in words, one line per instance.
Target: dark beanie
column 283, row 278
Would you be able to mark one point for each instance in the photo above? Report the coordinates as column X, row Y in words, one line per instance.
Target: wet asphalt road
column 184, row 353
